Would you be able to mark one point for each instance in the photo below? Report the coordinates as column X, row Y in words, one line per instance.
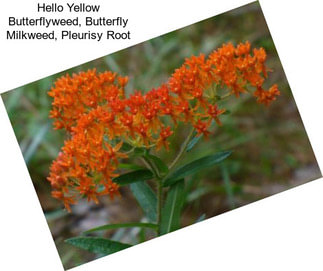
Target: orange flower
column 165, row 133
column 266, row 97
column 214, row 112
column 201, row 128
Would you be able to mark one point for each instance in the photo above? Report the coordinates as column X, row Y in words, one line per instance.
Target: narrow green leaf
column 139, row 151
column 129, row 166
column 196, row 166
column 146, row 198
column 193, row 142
column 161, row 166
column 171, row 212
column 134, row 176
column 122, row 225
column 142, row 235
column 97, row 244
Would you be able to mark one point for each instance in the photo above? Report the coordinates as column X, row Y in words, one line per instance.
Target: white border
column 283, row 232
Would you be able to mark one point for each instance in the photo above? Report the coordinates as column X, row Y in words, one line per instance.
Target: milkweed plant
column 104, row 128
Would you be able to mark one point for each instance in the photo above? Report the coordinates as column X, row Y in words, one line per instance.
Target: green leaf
column 97, row 244
column 129, row 166
column 140, row 152
column 142, row 235
column 161, row 166
column 122, row 225
column 171, row 212
column 196, row 166
column 146, row 198
column 134, row 176
column 193, row 142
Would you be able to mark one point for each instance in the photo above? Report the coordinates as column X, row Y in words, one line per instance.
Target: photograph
column 161, row 135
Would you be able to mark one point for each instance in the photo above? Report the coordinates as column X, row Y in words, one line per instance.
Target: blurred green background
column 271, row 149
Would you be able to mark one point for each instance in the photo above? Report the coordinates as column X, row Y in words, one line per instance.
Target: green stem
column 130, row 151
column 182, row 150
column 152, row 166
column 225, row 96
column 159, row 183
column 145, row 163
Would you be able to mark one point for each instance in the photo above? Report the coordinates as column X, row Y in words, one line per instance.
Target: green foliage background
column 271, row 149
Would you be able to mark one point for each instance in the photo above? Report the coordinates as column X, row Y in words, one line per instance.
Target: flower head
column 93, row 109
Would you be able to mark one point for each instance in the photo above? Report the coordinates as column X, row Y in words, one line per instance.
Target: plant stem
column 152, row 166
column 159, row 183
column 226, row 95
column 147, row 165
column 130, row 151
column 182, row 150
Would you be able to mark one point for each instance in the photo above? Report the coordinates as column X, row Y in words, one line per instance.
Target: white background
column 283, row 232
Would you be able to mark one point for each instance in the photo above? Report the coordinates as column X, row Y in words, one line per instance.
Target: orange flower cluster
column 93, row 108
